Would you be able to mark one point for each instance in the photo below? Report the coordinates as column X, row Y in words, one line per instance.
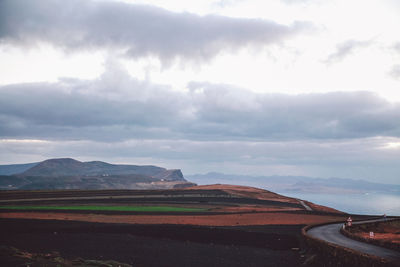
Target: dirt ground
column 243, row 226
column 209, row 220
column 385, row 231
column 157, row 245
column 261, row 194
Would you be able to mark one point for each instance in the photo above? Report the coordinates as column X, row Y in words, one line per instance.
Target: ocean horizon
column 358, row 203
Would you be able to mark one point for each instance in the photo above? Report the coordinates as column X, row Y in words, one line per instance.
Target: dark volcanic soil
column 157, row 245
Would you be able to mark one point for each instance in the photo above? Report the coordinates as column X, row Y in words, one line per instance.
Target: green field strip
column 107, row 208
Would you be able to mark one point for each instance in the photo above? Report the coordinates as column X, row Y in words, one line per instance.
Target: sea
column 361, row 203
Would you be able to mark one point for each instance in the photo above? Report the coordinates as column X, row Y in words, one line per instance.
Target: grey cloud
column 45, row 104
column 119, row 107
column 135, row 30
column 345, row 49
column 395, row 72
column 226, row 3
column 396, row 47
column 211, row 127
column 331, row 115
column 291, row 2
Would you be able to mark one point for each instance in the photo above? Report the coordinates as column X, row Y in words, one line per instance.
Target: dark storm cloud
column 118, row 107
column 345, row 49
column 137, row 30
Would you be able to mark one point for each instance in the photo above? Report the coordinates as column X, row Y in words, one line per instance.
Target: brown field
column 385, row 231
column 209, row 220
column 268, row 208
column 240, row 226
column 247, row 191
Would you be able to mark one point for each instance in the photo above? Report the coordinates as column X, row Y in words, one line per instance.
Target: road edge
column 371, row 241
column 343, row 256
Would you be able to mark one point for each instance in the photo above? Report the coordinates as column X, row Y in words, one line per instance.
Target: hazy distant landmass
column 67, row 173
column 297, row 183
column 16, row 168
column 349, row 195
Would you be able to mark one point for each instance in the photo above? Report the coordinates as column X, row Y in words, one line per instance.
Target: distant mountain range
column 301, row 184
column 67, row 173
column 15, row 168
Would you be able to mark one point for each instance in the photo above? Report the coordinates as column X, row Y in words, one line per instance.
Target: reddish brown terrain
column 246, row 191
column 260, row 218
column 257, row 193
column 388, row 232
column 268, row 208
column 280, row 210
column 239, row 226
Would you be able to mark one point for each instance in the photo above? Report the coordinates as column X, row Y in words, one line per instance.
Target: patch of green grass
column 107, row 208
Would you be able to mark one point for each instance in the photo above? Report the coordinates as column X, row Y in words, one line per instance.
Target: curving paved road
column 331, row 233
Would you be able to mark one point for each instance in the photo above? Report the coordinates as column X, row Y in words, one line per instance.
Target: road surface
column 331, row 233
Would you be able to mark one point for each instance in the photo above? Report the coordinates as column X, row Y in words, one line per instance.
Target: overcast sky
column 279, row 87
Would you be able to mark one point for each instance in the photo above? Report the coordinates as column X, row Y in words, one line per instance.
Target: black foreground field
column 156, row 245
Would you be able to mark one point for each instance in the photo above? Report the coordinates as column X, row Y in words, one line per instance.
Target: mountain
column 67, row 173
column 297, row 183
column 68, row 167
column 15, row 168
column 175, row 175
